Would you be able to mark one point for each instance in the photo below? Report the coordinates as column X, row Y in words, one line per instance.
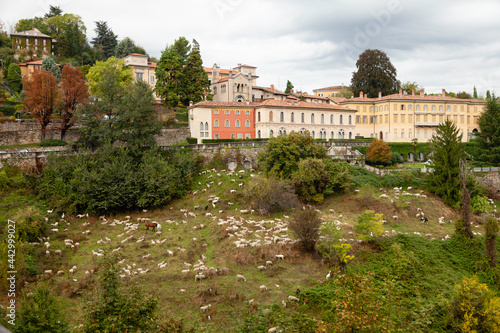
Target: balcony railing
column 427, row 123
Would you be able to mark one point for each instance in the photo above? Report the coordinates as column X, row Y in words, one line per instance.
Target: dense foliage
column 379, row 152
column 489, row 135
column 375, row 73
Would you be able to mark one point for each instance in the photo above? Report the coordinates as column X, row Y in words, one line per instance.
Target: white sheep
column 205, row 308
column 292, row 299
column 240, row 277
column 260, row 268
column 280, row 256
column 263, row 288
column 199, row 277
column 269, row 263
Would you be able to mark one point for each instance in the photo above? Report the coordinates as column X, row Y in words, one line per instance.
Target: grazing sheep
column 395, row 217
column 47, row 253
column 199, row 277
column 48, row 273
column 240, row 277
column 58, row 252
column 329, row 275
column 292, row 299
column 269, row 263
column 280, row 256
column 263, row 288
column 260, row 268
column 424, row 220
column 59, row 273
column 185, row 272
column 205, row 308
column 232, row 191
column 272, row 330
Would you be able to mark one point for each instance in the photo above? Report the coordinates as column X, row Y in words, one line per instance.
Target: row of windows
column 236, row 112
column 140, row 77
column 302, row 118
column 227, row 123
column 234, row 136
column 36, row 48
column 44, row 41
column 402, row 118
column 409, row 107
column 322, row 133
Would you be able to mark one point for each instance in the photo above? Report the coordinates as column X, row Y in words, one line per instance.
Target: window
column 340, row 119
column 402, row 118
column 433, row 108
column 36, row 41
column 222, row 88
column 292, row 117
column 386, row 107
column 152, row 78
column 247, row 112
column 282, row 131
column 331, row 135
column 410, row 107
column 206, row 126
column 425, row 107
column 402, row 107
column 395, row 134
column 44, row 42
column 139, row 76
column 402, row 135
column 258, row 117
column 440, row 108
column 331, row 119
column 237, row 123
column 395, row 119
column 312, row 118
column 302, row 118
column 44, row 48
column 216, row 111
column 27, row 41
column 270, row 115
column 312, row 134
column 282, row 117
column 380, row 108
column 215, row 90
column 240, row 136
column 233, row 136
column 271, row 133
column 247, row 136
column 216, row 136
column 237, row 112
column 247, row 123
column 226, row 123
column 258, row 134
column 448, row 108
column 350, row 120
column 425, row 135
column 201, row 134
column 322, row 118
column 418, row 107
column 409, row 135
column 365, row 119
column 226, row 112
column 201, row 127
column 216, row 123
column 358, row 119
column 418, row 135
column 410, row 118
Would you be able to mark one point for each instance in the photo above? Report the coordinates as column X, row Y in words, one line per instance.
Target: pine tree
column 14, row 77
column 195, row 84
column 49, row 65
column 105, row 38
column 488, row 95
column 475, row 93
column 289, row 87
column 489, row 135
column 447, row 148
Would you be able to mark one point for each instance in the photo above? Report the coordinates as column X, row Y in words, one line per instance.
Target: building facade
column 142, row 69
column 32, row 40
column 403, row 117
column 268, row 118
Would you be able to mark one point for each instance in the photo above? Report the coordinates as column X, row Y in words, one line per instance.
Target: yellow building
column 329, row 91
column 402, row 117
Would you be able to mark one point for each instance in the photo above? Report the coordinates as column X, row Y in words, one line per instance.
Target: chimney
column 413, row 92
column 444, row 93
column 421, row 92
column 360, row 94
column 291, row 91
column 366, row 95
column 190, row 103
column 379, row 94
column 400, row 92
column 272, row 86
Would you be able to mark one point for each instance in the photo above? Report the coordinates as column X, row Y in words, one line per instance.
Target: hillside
column 215, row 229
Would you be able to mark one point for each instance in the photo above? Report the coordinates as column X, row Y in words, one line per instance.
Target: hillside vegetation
column 408, row 279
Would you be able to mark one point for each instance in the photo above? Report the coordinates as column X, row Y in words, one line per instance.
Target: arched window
column 322, row 118
column 247, row 123
column 350, row 135
column 270, row 115
column 282, row 131
column 292, row 118
column 201, row 126
column 331, row 135
column 341, row 134
column 226, row 124
column 271, row 133
column 312, row 118
column 216, row 123
column 312, row 134
column 350, row 120
column 282, row 117
column 206, row 126
column 258, row 117
column 258, row 134
column 340, row 120
column 331, row 119
column 237, row 123
column 302, row 118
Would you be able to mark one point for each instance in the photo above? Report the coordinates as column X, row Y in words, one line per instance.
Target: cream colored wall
column 199, row 115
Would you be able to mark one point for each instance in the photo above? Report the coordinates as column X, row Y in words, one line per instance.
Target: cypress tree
column 489, row 135
column 195, row 83
column 49, row 65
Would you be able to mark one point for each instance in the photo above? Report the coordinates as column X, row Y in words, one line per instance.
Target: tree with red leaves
column 42, row 95
column 74, row 92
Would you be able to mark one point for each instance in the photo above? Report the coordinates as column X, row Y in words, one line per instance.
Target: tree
column 105, row 39
column 127, row 46
column 375, row 74
column 53, row 11
column 122, row 75
column 70, row 33
column 344, row 92
column 305, row 225
column 463, row 95
column 464, row 227
column 41, row 313
column 289, row 87
column 475, row 93
column 491, row 227
column 488, row 95
column 74, row 92
column 195, row 85
column 113, row 309
column 49, row 65
column 283, row 153
column 379, row 152
column 181, row 47
column 410, row 87
column 28, row 24
column 489, row 134
column 168, row 77
column 369, row 225
column 14, row 78
column 310, row 180
column 447, row 148
column 41, row 97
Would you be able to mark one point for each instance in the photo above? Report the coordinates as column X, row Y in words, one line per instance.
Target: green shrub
column 401, row 179
column 305, row 225
column 361, row 177
column 310, row 180
column 369, row 225
column 192, row 141
column 396, row 158
column 30, row 224
column 480, row 204
column 270, row 194
column 52, row 143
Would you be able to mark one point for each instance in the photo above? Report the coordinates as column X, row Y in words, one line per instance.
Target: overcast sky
column 315, row 43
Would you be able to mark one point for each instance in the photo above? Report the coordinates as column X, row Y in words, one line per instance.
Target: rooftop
column 30, row 33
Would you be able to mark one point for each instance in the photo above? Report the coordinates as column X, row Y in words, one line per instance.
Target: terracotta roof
column 138, row 54
column 37, row 62
column 306, row 95
column 274, row 91
column 224, row 79
column 152, row 64
column 31, row 33
column 302, row 104
column 415, row 97
column 214, row 104
column 222, row 70
column 337, row 100
column 246, row 66
column 330, row 88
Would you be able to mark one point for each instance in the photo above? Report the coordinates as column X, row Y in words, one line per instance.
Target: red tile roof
column 138, row 54
column 274, row 91
column 32, row 33
column 424, row 98
column 273, row 103
column 152, row 64
column 330, row 88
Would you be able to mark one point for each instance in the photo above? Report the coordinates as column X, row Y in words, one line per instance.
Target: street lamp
column 414, row 142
